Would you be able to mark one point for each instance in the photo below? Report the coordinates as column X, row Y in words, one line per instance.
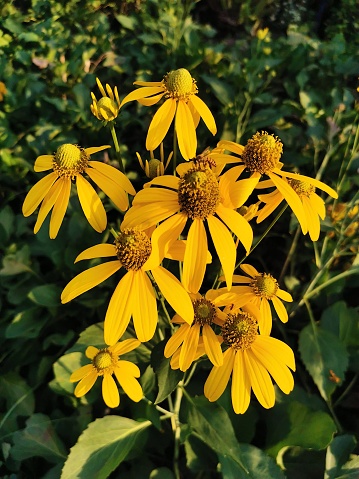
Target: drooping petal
column 60, row 207
column 189, row 347
column 81, row 373
column 86, row 384
column 260, row 380
column 174, row 293
column 148, row 215
column 114, row 174
column 176, row 340
column 95, row 149
column 312, row 219
column 169, row 181
column 238, row 225
column 160, row 124
column 249, row 269
column 280, row 309
column 318, row 205
column 282, row 352
column 312, row 181
column 224, row 245
column 156, row 195
column 91, row 204
column 49, row 201
column 117, row 195
column 195, row 115
column 231, row 146
column 265, row 323
column 186, row 132
column 38, row 193
column 43, row 163
column 98, row 251
column 91, row 352
column 241, row 386
column 142, row 93
column 144, row 306
column 128, row 383
column 125, row 346
column 205, row 113
column 284, row 295
column 271, row 204
column 240, row 191
column 88, row 279
column 110, row 392
column 212, row 346
column 195, row 258
column 151, row 100
column 219, row 376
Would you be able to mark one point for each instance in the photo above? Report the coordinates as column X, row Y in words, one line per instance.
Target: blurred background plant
column 294, row 75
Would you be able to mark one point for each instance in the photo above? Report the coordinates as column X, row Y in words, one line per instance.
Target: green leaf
column 46, row 295
column 15, row 263
column 7, row 219
column 222, row 90
column 323, row 352
column 63, row 368
column 38, row 439
column 18, row 395
column 350, row 470
column 342, row 322
column 162, row 473
column 126, row 21
column 27, row 324
column 102, row 447
column 167, row 378
column 337, row 454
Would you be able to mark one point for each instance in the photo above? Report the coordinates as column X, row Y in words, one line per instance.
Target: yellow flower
column 155, row 167
column 259, row 289
column 3, row 90
column 181, row 103
column 108, row 106
column 262, row 33
column 261, row 155
column 251, row 359
column 134, row 295
column 69, row 163
column 105, row 363
column 199, row 196
column 313, row 207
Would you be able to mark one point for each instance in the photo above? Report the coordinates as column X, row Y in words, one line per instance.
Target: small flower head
column 179, row 84
column 262, row 33
column 264, row 285
column 70, row 161
column 262, row 153
column 155, row 167
column 107, row 108
column 133, row 248
column 240, row 330
column 302, row 188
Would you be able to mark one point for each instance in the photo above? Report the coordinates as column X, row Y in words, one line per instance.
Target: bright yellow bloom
column 155, row 167
column 134, row 295
column 105, row 363
column 69, row 163
column 251, row 359
column 313, row 207
column 108, row 106
column 259, row 289
column 181, row 103
column 261, row 155
column 201, row 197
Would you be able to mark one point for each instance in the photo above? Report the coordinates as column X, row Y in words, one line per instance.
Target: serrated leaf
column 46, row 295
column 102, row 447
column 167, row 378
column 323, row 355
column 38, row 439
column 337, row 454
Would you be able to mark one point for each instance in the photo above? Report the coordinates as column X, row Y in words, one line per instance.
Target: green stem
column 334, row 416
column 177, row 429
column 290, row 254
column 117, row 147
column 347, row 390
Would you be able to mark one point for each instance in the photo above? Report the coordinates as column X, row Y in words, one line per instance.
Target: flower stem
column 117, row 147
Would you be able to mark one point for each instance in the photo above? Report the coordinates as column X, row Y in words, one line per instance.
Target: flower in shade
column 134, row 295
column 261, row 155
column 3, row 90
column 69, row 164
column 312, row 204
column 106, row 363
column 155, row 167
column 251, row 359
column 107, row 107
column 203, row 198
column 181, row 103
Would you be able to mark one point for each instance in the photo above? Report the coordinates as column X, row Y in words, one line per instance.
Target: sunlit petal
column 125, row 346
column 142, row 93
column 129, row 384
column 238, row 225
column 60, row 207
column 284, row 295
column 219, row 376
column 117, row 195
column 195, row 257
column 91, row 352
column 189, row 347
column 260, row 380
column 49, row 201
column 205, row 113
column 148, row 215
column 110, row 392
column 280, row 309
column 38, row 193
column 212, row 346
column 160, row 124
column 241, row 385
column 43, row 163
column 86, row 384
column 81, row 373
column 186, row 132
column 98, row 251
column 176, row 340
column 144, row 306
column 91, row 204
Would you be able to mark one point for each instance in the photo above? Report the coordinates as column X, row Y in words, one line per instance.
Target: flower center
column 179, row 84
column 264, row 285
column 70, row 160
column 104, row 362
column 204, row 311
column 107, row 109
column 198, row 192
column 133, row 248
column 302, row 188
column 262, row 152
column 240, row 330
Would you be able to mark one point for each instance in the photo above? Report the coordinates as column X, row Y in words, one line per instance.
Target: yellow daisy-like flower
column 251, row 359
column 134, row 295
column 108, row 106
column 312, row 205
column 261, row 155
column 106, row 363
column 181, row 103
column 155, row 167
column 69, row 163
column 260, row 289
column 203, row 198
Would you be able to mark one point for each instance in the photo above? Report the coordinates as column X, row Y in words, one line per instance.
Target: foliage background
column 298, row 82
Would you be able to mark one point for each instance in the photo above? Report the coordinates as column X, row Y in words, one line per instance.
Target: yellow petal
column 116, row 175
column 38, row 193
column 237, row 278
column 241, row 386
column 91, row 352
column 312, row 181
column 156, row 195
column 148, row 215
column 219, row 376
column 260, row 380
column 312, row 219
column 96, row 149
column 144, row 306
column 195, row 115
column 195, row 257
column 60, row 207
column 176, row 340
column 160, row 124
column 125, row 346
column 131, row 369
column 265, row 323
column 98, row 251
column 271, row 204
column 110, row 188
column 189, row 347
column 86, row 384
column 88, row 279
column 142, row 93
column 186, row 132
column 43, row 163
column 225, row 247
column 239, row 225
column 212, row 346
column 148, row 83
column 205, row 113
column 119, row 310
column 275, row 347
column 81, row 373
column 110, row 392
column 151, row 100
column 129, row 384
column 284, row 295
column 318, row 205
column 280, row 309
column 174, row 293
column 91, row 204
column 231, row 146
column 49, row 201
column 169, row 181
